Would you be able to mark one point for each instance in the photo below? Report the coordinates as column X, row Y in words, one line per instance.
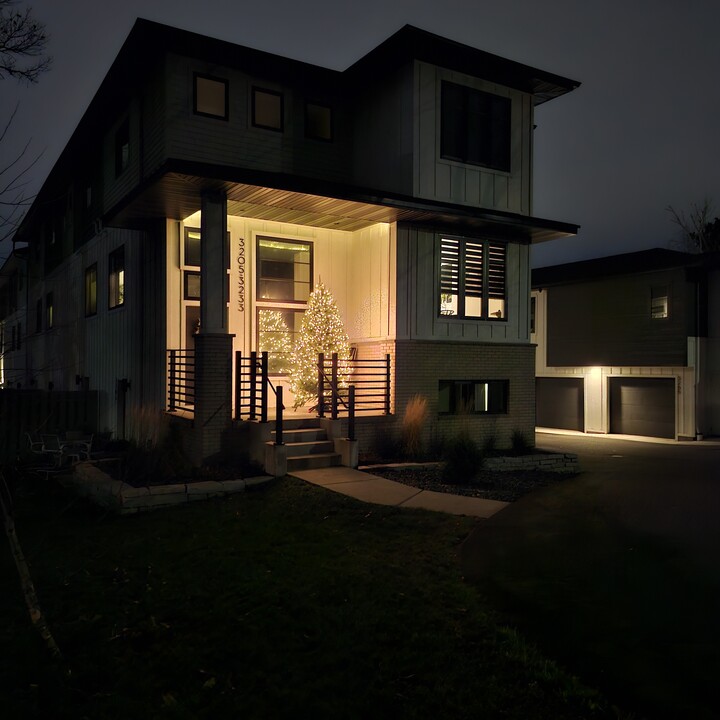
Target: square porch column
column 213, row 344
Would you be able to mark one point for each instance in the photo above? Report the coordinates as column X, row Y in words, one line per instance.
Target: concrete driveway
column 617, row 572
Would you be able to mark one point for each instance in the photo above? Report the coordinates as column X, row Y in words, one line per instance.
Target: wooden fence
column 40, row 411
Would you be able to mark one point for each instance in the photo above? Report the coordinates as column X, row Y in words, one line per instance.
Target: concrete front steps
column 308, row 446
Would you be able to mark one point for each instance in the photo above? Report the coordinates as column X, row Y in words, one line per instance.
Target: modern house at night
column 209, row 187
column 629, row 344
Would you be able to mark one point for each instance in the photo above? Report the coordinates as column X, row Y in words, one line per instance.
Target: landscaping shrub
column 519, row 443
column 413, row 424
column 463, row 460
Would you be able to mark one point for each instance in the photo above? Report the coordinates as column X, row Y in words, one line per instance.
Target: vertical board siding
column 440, row 179
column 236, row 142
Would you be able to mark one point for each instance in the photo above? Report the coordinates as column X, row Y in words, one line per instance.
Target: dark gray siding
column 608, row 322
column 383, row 119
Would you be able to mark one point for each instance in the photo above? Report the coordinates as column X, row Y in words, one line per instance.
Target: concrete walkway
column 380, row 491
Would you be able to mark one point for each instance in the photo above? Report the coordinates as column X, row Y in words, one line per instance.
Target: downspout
column 698, row 374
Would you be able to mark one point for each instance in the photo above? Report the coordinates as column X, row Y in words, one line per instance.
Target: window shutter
column 496, row 270
column 450, row 266
column 473, row 269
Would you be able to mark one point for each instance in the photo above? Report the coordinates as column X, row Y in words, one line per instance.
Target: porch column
column 213, row 344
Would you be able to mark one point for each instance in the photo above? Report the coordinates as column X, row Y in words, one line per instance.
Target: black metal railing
column 253, row 386
column 181, row 379
column 370, row 378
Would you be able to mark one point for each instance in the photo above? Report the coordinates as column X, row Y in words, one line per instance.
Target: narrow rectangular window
column 192, row 285
column 267, row 109
column 122, row 147
column 91, row 290
column 318, row 122
column 472, row 279
column 49, row 310
column 210, row 96
column 659, row 302
column 192, row 247
column 116, row 278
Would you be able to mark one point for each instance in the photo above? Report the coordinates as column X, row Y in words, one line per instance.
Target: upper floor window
column 472, row 279
column 318, row 122
column 91, row 290
column 475, row 127
column 116, row 277
column 284, row 270
column 210, row 96
column 122, row 147
column 267, row 109
column 659, row 302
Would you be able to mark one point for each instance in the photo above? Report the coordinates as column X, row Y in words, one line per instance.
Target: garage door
column 642, row 406
column 560, row 403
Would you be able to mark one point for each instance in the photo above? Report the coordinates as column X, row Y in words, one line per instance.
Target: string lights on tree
column 322, row 331
column 275, row 338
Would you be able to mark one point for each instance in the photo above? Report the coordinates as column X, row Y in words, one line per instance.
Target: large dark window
column 284, row 270
column 318, row 122
column 116, row 278
column 475, row 127
column 458, row 397
column 192, row 247
column 472, row 279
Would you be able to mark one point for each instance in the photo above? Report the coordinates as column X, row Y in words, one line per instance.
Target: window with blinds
column 472, row 278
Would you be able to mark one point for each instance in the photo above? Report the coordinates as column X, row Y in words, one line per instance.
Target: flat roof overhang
column 175, row 192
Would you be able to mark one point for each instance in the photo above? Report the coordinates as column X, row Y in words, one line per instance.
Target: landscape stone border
column 90, row 481
column 557, row 463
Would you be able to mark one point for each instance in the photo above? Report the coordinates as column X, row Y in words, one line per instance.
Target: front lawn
column 290, row 601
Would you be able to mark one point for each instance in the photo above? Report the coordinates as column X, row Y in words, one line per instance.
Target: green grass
column 284, row 602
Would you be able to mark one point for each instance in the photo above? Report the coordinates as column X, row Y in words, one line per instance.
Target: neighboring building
column 209, row 186
column 13, row 320
column 629, row 344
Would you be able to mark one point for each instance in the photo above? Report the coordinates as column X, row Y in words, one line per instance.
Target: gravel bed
column 505, row 486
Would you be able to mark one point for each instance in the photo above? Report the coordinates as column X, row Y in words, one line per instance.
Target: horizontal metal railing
column 369, row 376
column 181, row 379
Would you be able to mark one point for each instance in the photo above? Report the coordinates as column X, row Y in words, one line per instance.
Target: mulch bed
column 505, row 486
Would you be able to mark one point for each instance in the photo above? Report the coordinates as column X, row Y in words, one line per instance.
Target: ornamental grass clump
column 463, row 460
column 413, row 424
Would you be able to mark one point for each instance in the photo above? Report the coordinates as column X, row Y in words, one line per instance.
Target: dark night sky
column 639, row 134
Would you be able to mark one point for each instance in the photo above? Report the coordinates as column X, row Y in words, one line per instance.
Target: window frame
column 494, row 149
column 659, row 292
column 267, row 91
column 281, row 309
column 467, row 274
column 212, row 78
column 458, row 403
column 116, row 289
column 323, row 106
column 90, row 308
column 187, row 274
column 260, row 277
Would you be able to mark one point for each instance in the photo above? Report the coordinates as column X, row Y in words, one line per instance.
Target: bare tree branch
column 23, row 44
column 698, row 232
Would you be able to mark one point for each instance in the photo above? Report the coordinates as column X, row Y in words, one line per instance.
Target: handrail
column 332, row 383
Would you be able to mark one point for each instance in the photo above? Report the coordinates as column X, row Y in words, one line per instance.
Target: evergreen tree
column 274, row 337
column 321, row 331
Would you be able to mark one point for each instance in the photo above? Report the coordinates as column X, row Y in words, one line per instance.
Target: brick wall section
column 213, row 394
column 418, row 366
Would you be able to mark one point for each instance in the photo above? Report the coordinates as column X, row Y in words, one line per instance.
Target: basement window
column 473, row 397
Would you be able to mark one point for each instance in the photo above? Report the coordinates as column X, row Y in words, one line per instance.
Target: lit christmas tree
column 321, row 331
column 274, row 336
